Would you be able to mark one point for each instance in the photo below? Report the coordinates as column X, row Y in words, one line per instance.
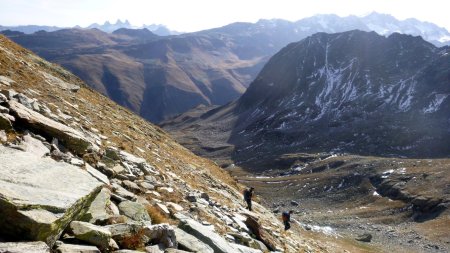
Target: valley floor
column 401, row 203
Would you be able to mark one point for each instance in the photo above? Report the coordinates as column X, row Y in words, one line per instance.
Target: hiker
column 248, row 194
column 286, row 216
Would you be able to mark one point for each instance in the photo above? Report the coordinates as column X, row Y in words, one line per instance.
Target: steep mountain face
column 354, row 92
column 162, row 77
column 73, row 164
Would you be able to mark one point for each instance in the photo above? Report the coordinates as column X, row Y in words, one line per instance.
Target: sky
column 194, row 15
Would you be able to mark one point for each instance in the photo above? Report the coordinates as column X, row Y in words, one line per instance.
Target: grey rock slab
column 122, row 192
column 33, row 146
column 191, row 243
column 131, row 186
column 97, row 174
column 53, row 80
column 206, row 235
column 92, row 234
column 244, row 249
column 98, row 207
column 75, row 248
column 134, row 211
column 39, row 196
column 71, row 138
column 20, row 247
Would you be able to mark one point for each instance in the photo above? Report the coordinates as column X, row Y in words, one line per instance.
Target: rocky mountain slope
column 81, row 174
column 294, row 134
column 160, row 78
column 355, row 92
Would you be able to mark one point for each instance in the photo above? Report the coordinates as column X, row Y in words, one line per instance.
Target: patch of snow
column 375, row 193
column 331, row 156
column 387, row 173
column 435, row 103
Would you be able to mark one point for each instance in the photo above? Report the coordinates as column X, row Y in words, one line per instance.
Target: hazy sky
column 193, row 15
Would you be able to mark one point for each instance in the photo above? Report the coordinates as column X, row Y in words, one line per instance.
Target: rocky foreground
column 80, row 174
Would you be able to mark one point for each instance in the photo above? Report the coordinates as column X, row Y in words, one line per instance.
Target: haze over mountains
column 355, row 92
column 108, row 27
column 159, row 77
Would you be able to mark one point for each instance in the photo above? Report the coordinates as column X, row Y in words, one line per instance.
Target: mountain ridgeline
column 162, row 76
column 355, row 92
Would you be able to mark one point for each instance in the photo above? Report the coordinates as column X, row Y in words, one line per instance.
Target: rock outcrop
column 39, row 196
column 72, row 139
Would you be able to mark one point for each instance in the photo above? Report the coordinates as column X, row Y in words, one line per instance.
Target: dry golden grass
column 134, row 241
column 156, row 215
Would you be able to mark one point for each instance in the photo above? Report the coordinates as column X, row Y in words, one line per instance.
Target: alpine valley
column 306, row 132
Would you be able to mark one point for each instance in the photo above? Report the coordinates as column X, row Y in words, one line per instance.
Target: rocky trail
column 387, row 204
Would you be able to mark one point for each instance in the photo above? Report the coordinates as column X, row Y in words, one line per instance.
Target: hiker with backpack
column 286, row 216
column 248, row 194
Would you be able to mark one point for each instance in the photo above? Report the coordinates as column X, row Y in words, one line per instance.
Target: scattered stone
column 204, row 196
column 97, row 174
column 134, row 211
column 146, row 186
column 33, row 146
column 97, row 210
column 40, row 196
column 190, row 243
column 118, row 169
column 165, row 189
column 123, row 193
column 205, row 234
column 131, row 186
column 20, row 247
column 366, row 237
column 24, row 100
column 191, row 198
column 95, row 235
column 154, row 249
column 75, row 248
column 76, row 162
column 9, row 94
column 105, row 170
column 175, row 207
column 71, row 138
column 294, row 203
column 163, row 208
column 3, row 98
column 131, row 158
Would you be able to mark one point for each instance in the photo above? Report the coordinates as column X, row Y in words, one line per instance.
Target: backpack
column 285, row 216
column 247, row 194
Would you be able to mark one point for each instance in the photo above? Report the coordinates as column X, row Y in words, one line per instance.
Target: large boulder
column 92, row 234
column 260, row 234
column 191, row 243
column 20, row 247
column 97, row 209
column 71, row 138
column 205, row 234
column 39, row 196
